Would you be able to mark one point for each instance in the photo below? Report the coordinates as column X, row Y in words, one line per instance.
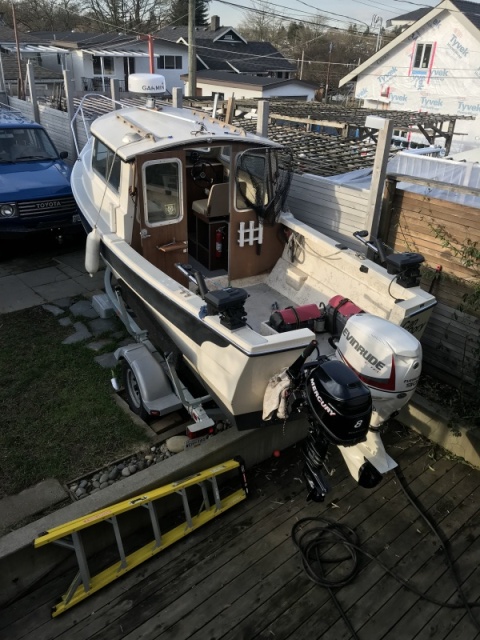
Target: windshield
column 24, row 144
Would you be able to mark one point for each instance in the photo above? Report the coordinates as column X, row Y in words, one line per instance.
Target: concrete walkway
column 25, row 283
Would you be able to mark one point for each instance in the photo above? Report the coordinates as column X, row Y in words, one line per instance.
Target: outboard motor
column 338, row 407
column 387, row 358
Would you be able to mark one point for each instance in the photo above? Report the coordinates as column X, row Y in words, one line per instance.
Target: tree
column 262, row 23
column 178, row 12
column 44, row 15
column 125, row 15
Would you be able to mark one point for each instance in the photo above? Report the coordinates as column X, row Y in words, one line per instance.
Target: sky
column 342, row 12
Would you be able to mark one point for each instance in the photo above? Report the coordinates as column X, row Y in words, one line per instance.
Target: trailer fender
column 152, row 380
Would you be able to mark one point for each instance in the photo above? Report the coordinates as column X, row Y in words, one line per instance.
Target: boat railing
column 86, row 112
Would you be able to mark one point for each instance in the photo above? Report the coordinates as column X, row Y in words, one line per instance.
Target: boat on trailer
column 189, row 215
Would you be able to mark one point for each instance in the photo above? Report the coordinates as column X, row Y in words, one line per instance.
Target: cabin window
column 251, row 179
column 106, row 164
column 162, row 192
column 423, row 56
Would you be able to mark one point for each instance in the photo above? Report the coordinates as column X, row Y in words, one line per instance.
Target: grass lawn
column 58, row 418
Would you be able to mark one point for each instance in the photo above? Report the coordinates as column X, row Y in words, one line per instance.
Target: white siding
column 451, row 86
column 335, row 210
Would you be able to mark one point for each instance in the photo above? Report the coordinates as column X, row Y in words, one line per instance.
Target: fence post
column 262, row 118
column 115, row 91
column 33, row 91
column 68, row 82
column 177, row 97
column 379, row 171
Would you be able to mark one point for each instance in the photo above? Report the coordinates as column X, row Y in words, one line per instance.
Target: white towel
column 275, row 398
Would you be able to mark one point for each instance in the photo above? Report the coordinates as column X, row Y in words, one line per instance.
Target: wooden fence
column 425, row 225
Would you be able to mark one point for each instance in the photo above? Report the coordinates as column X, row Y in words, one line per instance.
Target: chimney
column 214, row 23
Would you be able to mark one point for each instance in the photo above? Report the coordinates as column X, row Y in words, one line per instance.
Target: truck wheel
column 134, row 397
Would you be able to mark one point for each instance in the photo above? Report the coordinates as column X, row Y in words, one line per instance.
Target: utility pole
column 328, row 70
column 377, row 22
column 192, row 58
column 301, row 64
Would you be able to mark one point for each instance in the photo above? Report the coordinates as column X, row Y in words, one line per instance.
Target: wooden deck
column 240, row 577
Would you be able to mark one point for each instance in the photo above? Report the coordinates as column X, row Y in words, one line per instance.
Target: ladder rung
column 127, row 505
column 69, row 534
column 148, row 551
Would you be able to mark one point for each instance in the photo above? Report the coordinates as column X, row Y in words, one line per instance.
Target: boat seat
column 217, row 203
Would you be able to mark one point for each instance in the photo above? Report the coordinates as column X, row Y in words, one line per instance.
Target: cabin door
column 161, row 219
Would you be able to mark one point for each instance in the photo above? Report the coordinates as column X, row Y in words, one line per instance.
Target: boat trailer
column 150, row 381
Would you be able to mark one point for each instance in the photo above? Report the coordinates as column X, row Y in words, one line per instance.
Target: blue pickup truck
column 35, row 193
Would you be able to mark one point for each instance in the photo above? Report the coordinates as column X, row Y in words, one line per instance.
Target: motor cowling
column 387, row 358
column 339, row 402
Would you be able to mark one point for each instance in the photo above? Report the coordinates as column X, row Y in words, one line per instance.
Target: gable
column 467, row 14
column 229, row 35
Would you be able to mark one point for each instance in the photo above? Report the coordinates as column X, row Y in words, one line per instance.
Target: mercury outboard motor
column 338, row 407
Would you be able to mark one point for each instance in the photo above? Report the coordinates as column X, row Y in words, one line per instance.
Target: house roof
column 10, row 70
column 256, row 57
column 224, row 49
column 8, row 35
column 238, row 80
column 408, row 18
column 174, row 33
column 466, row 12
column 79, row 40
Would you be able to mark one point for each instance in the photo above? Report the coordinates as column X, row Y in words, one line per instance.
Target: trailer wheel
column 134, row 397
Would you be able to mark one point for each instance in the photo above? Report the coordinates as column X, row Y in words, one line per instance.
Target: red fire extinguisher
column 219, row 242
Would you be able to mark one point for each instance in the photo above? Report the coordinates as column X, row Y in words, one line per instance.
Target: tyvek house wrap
column 450, row 84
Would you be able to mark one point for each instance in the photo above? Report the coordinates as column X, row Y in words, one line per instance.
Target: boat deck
column 240, row 576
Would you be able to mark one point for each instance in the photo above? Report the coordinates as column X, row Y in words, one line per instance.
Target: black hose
column 313, row 542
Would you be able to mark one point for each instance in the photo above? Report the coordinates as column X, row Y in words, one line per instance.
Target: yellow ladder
column 68, row 535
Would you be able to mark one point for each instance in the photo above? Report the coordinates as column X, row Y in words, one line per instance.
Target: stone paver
column 103, row 325
column 83, row 308
column 107, row 361
column 53, row 309
column 81, row 333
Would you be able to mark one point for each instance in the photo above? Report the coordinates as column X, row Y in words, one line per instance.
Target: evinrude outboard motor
column 338, row 407
column 386, row 357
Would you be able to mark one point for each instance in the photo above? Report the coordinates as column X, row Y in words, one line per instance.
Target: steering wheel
column 203, row 173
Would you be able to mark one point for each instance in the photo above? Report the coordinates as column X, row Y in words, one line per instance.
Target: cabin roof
column 152, row 130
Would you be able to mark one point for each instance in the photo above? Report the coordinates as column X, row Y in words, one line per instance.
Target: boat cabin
column 182, row 200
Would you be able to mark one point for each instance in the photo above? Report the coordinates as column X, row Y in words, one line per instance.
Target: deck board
column 240, row 577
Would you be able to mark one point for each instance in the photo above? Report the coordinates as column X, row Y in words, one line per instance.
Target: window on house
column 169, row 62
column 106, row 164
column 423, row 56
column 108, row 65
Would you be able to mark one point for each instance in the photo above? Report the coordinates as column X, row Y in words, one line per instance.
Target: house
column 94, row 59
column 224, row 49
column 228, row 84
column 407, row 19
column 47, row 81
column 432, row 66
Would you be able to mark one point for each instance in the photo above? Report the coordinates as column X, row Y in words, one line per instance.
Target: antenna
column 150, row 84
